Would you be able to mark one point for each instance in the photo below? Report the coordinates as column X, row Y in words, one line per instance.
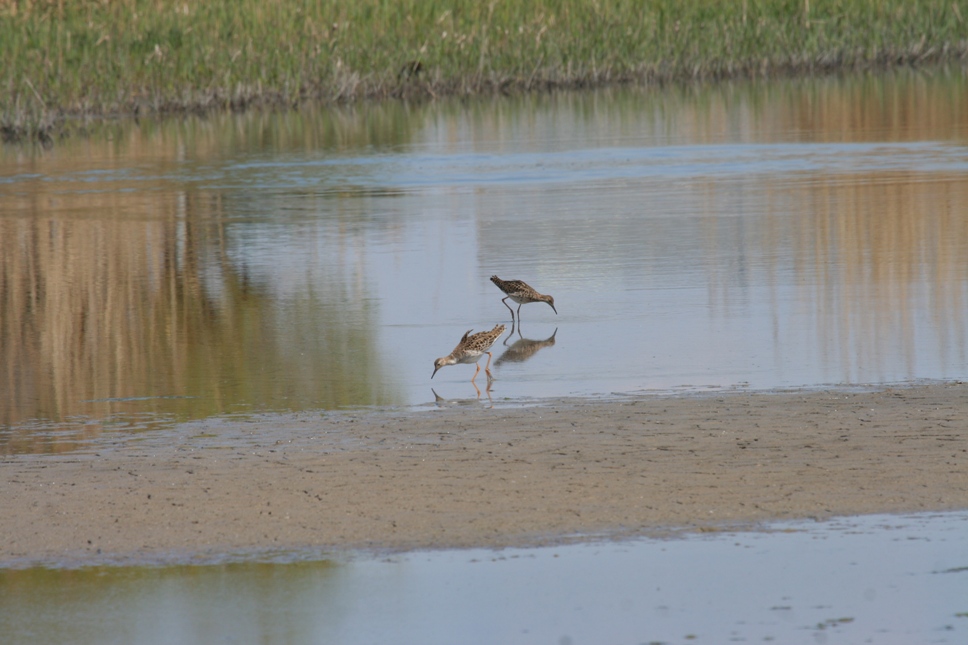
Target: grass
column 69, row 58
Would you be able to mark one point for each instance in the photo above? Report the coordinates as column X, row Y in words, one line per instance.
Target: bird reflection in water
column 523, row 348
column 441, row 402
column 517, row 352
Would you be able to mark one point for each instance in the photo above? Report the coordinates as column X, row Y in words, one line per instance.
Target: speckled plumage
column 470, row 349
column 521, row 293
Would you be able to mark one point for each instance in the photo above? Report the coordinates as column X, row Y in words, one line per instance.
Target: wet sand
column 469, row 476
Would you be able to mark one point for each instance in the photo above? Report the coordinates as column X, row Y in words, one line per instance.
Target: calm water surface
column 734, row 236
column 883, row 580
column 740, row 235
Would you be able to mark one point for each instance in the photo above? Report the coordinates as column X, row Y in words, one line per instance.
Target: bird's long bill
column 435, row 371
column 553, row 308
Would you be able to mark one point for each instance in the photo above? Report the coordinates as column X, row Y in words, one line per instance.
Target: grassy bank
column 66, row 58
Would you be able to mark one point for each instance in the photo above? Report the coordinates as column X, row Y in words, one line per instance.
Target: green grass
column 65, row 58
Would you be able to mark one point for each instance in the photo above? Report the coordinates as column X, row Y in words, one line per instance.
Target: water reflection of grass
column 104, row 256
column 101, row 317
column 93, row 57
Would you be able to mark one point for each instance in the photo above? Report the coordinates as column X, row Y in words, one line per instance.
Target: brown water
column 781, row 234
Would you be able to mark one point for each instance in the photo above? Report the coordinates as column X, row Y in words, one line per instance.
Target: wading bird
column 521, row 293
column 470, row 349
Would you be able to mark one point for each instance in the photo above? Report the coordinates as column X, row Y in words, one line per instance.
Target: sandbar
column 477, row 476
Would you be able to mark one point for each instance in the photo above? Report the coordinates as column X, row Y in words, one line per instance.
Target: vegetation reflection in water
column 121, row 289
column 133, row 308
column 181, row 269
column 173, row 603
column 867, row 579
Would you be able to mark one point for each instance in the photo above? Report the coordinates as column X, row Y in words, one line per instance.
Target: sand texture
column 468, row 475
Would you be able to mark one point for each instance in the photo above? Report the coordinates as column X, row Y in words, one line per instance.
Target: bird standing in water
column 470, row 349
column 521, row 293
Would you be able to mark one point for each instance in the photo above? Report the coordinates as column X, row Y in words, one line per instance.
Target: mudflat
column 473, row 476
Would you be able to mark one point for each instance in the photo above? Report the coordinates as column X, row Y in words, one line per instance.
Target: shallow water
column 745, row 235
column 879, row 579
column 735, row 236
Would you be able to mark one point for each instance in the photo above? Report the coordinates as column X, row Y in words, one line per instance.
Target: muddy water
column 880, row 579
column 741, row 235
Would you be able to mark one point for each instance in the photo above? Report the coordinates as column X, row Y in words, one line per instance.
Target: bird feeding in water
column 521, row 293
column 470, row 349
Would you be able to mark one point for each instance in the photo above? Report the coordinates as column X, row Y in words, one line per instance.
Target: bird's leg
column 519, row 313
column 475, row 372
column 505, row 301
column 477, row 389
column 487, row 368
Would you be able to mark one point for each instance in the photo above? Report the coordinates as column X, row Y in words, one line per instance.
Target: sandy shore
column 472, row 476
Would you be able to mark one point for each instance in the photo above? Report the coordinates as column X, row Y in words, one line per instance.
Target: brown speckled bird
column 470, row 349
column 521, row 293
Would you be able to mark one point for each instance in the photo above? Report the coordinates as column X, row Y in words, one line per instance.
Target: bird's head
column 441, row 362
column 551, row 303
